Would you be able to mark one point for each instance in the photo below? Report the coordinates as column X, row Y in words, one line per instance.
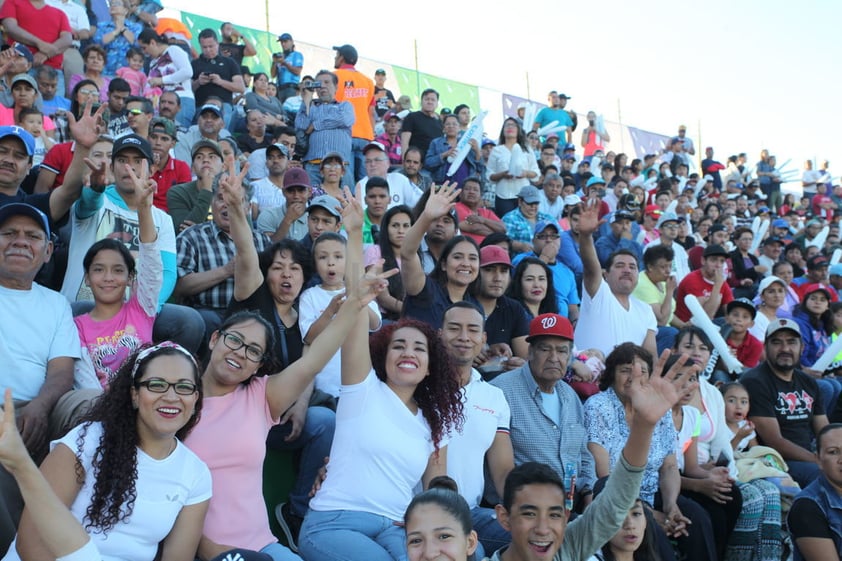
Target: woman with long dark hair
column 532, row 285
column 510, row 166
column 124, row 473
column 395, row 224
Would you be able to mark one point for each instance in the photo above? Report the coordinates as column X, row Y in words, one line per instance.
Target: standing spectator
column 556, row 112
column 383, row 97
column 510, row 166
column 44, row 29
column 711, row 167
column 80, row 28
column 216, row 75
column 357, row 89
column 421, row 127
column 328, row 123
column 230, row 45
column 286, row 68
column 593, row 139
column 170, row 70
column 117, row 36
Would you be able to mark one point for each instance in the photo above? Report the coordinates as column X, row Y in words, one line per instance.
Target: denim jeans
column 803, row 472
column 187, row 112
column 347, row 535
column 314, row 442
column 829, row 388
column 357, row 159
column 279, row 553
column 492, row 536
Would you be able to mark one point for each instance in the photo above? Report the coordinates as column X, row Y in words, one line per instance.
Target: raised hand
column 99, row 174
column 442, row 200
column 652, row 396
column 12, row 449
column 352, row 210
column 144, row 186
column 372, row 283
column 87, row 129
column 589, row 217
column 231, row 185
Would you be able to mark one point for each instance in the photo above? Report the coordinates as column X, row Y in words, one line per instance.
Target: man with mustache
column 610, row 315
column 785, row 404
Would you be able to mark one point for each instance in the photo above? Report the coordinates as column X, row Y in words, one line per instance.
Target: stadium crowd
column 510, row 346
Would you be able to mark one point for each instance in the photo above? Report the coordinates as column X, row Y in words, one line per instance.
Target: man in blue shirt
column 555, row 112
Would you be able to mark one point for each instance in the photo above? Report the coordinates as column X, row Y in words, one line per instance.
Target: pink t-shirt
column 462, row 213
column 111, row 341
column 135, row 78
column 231, row 439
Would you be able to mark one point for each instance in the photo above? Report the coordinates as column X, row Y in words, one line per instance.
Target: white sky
column 745, row 74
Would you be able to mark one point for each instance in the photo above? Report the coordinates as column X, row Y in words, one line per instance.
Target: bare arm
column 601, row 460
column 501, row 460
column 405, row 136
column 770, row 434
column 436, row 466
column 817, row 549
column 247, row 275
column 183, row 540
column 588, row 223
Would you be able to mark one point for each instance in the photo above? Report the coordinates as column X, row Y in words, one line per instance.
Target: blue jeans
column 492, row 536
column 829, row 388
column 314, row 442
column 186, row 113
column 347, row 535
column 357, row 159
column 227, row 115
column 279, row 553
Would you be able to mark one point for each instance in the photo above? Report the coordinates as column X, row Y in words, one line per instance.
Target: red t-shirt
column 749, row 352
column 57, row 160
column 697, row 285
column 46, row 23
column 462, row 213
column 175, row 172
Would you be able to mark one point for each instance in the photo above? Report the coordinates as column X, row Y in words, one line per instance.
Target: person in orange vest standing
column 358, row 89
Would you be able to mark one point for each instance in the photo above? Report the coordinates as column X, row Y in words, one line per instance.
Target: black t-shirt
column 233, row 51
column 226, row 67
column 289, row 345
column 793, row 403
column 508, row 321
column 806, row 520
column 381, row 104
column 423, row 128
column 247, row 144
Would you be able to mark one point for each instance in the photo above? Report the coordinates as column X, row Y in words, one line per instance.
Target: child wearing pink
column 107, row 343
column 135, row 78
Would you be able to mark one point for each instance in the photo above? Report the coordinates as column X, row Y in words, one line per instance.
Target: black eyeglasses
column 235, row 343
column 159, row 385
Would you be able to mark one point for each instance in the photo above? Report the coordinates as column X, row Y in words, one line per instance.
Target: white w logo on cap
column 548, row 322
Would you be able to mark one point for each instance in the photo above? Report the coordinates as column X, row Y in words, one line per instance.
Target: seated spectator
column 394, row 393
column 290, row 219
column 455, row 275
column 285, row 136
column 376, row 162
column 707, row 284
column 256, row 135
column 532, row 286
column 610, row 315
column 520, row 222
column 395, row 224
column 190, row 203
column 441, row 506
column 777, row 380
column 139, row 114
column 117, row 36
column 32, row 120
column 206, row 262
column 739, row 317
column 53, row 102
column 170, row 70
column 209, row 126
column 746, row 270
column 437, row 235
column 24, row 96
column 115, row 114
column 412, row 160
column 506, row 320
column 813, row 520
column 117, row 453
column 166, row 171
column 545, row 244
column 656, row 286
column 94, row 58
column 635, row 537
column 669, row 226
column 618, row 239
column 268, row 192
column 322, row 217
column 39, row 348
column 552, row 203
column 114, row 329
column 608, row 430
column 476, row 221
column 332, row 170
column 568, row 253
column 259, row 100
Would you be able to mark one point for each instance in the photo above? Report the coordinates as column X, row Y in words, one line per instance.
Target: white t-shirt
column 266, row 194
column 379, row 453
column 486, row 413
column 36, row 327
column 311, row 304
column 604, row 323
column 555, row 209
column 163, row 488
column 401, row 190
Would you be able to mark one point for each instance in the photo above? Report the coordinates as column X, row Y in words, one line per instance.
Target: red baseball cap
column 550, row 325
column 808, row 289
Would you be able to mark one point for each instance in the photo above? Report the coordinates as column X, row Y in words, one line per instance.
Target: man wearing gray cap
column 189, row 203
column 786, row 406
column 520, row 222
column 209, row 126
column 268, row 192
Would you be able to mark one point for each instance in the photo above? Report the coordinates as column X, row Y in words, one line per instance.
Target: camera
column 313, row 85
column 277, row 55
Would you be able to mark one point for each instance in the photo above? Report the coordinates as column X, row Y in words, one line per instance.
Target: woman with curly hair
column 532, row 285
column 396, row 406
column 124, row 473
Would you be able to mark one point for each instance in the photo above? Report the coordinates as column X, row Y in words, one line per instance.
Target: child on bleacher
column 319, row 304
column 133, row 72
column 32, row 120
column 114, row 328
column 739, row 316
column 736, row 416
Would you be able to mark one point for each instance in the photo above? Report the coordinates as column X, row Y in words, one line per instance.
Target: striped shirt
column 331, row 128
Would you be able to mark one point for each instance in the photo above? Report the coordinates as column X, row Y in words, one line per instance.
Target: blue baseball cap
column 20, row 133
column 595, row 180
column 23, row 209
column 542, row 225
column 780, row 223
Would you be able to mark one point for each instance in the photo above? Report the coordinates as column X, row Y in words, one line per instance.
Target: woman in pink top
column 242, row 401
column 114, row 328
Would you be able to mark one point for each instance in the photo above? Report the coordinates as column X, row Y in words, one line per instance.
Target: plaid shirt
column 519, row 228
column 204, row 247
column 536, row 437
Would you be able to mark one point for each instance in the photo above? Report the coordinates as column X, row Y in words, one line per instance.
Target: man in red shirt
column 357, row 89
column 166, row 171
column 42, row 28
column 707, row 284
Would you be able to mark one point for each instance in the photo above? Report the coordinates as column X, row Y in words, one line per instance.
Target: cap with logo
column 781, row 324
column 164, row 125
column 744, row 303
column 135, row 142
column 550, row 325
column 22, row 135
column 326, row 202
column 280, row 148
column 212, row 108
column 23, row 209
column 296, row 177
column 205, row 143
column 622, row 215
